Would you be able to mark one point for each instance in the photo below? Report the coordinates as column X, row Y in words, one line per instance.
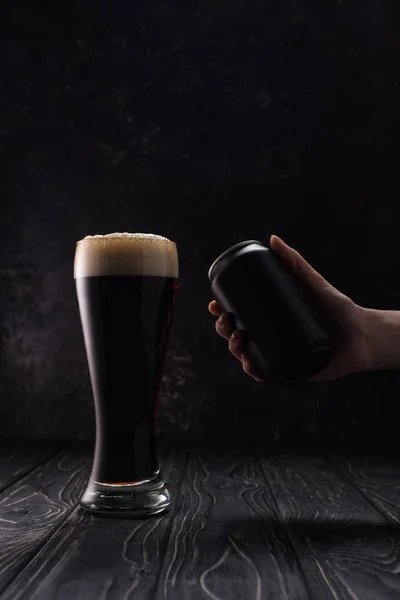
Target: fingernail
column 221, row 319
column 234, row 338
column 275, row 239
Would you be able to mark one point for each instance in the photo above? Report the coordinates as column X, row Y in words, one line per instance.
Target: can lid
column 230, row 250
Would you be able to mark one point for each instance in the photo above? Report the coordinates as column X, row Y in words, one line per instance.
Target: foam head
column 126, row 254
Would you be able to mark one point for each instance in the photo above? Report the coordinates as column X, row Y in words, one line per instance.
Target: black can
column 288, row 340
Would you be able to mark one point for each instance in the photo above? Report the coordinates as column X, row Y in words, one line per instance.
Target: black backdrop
column 210, row 123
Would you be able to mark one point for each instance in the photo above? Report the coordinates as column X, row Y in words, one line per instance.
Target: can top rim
column 230, row 250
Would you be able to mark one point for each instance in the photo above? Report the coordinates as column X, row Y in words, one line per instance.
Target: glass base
column 139, row 499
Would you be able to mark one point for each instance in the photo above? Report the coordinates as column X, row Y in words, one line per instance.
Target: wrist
column 381, row 333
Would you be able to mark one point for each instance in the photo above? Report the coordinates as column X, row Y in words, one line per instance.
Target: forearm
column 382, row 329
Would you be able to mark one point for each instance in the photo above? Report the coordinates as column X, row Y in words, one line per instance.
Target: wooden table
column 245, row 524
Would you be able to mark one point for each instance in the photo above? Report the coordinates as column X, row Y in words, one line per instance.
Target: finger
column 298, row 264
column 224, row 326
column 249, row 369
column 215, row 308
column 237, row 344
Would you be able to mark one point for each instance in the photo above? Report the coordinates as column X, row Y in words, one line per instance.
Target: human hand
column 351, row 353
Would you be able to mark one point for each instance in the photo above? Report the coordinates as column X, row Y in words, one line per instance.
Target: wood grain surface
column 347, row 548
column 97, row 558
column 225, row 542
column 34, row 506
column 243, row 525
column 378, row 479
column 17, row 458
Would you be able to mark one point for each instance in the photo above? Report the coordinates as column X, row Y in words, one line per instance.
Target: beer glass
column 126, row 286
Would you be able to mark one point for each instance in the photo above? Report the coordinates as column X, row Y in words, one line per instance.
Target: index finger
column 215, row 308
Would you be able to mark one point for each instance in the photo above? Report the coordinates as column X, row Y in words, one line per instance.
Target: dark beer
column 126, row 319
column 288, row 338
column 126, row 287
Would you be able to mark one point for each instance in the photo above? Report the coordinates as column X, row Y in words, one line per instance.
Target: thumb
column 299, row 265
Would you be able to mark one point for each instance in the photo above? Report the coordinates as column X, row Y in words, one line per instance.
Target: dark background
column 210, row 123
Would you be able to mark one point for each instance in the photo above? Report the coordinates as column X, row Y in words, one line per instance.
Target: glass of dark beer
column 126, row 286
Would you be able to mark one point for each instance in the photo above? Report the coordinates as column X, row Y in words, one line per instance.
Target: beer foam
column 126, row 254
